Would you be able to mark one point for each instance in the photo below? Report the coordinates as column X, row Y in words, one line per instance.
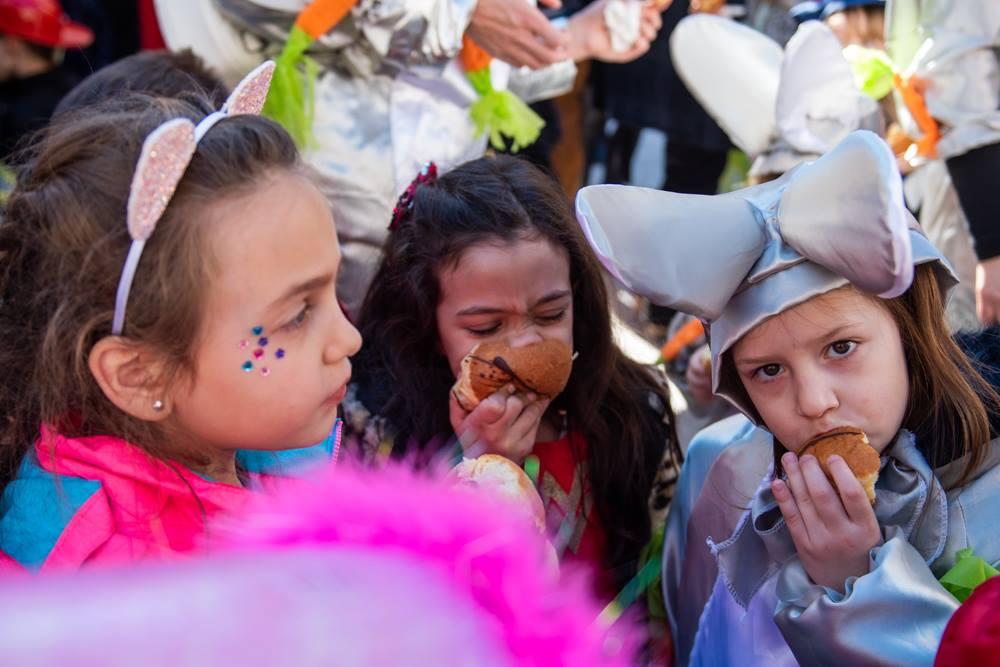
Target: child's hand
column 699, row 376
column 832, row 533
column 504, row 424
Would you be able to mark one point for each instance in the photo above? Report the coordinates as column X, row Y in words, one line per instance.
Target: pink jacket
column 101, row 500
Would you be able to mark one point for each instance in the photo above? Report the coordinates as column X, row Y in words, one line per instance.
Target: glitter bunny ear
column 164, row 158
column 251, row 93
column 246, row 99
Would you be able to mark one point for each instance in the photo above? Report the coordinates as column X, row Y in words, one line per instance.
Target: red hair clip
column 404, row 205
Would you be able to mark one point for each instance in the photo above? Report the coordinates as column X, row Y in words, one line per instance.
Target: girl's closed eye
column 551, row 317
column 485, row 330
column 299, row 320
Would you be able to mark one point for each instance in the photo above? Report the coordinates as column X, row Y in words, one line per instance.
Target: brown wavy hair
column 63, row 242
column 950, row 401
column 615, row 403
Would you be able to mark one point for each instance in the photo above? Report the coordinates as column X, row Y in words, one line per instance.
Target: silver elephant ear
column 734, row 72
column 846, row 213
column 689, row 252
column 819, row 103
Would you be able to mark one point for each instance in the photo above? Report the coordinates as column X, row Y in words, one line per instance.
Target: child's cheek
column 260, row 355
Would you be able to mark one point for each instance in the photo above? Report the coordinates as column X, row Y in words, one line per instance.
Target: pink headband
column 165, row 156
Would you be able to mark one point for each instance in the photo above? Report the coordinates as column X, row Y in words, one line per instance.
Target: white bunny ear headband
column 165, row 156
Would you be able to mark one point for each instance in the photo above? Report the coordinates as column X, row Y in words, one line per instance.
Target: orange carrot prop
column 319, row 17
column 499, row 112
column 911, row 89
column 686, row 335
column 473, row 56
column 290, row 101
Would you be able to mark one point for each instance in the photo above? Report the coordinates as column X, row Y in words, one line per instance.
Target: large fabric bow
column 845, row 212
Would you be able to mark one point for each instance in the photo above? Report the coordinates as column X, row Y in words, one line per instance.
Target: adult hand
column 988, row 291
column 504, row 424
column 833, row 530
column 590, row 37
column 518, row 33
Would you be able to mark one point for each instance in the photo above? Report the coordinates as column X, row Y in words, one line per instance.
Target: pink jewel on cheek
column 258, row 353
column 265, row 371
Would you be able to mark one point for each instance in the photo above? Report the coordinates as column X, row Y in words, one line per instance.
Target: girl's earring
column 158, row 405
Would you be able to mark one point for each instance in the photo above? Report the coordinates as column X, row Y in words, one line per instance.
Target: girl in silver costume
column 825, row 305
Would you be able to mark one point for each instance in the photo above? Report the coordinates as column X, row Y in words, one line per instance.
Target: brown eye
column 842, row 348
column 771, row 370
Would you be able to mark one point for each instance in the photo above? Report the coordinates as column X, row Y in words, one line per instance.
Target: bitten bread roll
column 507, row 480
column 542, row 368
column 850, row 444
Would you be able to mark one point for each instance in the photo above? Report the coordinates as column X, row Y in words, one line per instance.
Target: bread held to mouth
column 850, row 444
column 541, row 368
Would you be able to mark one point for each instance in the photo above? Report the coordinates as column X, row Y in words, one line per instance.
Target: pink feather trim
column 489, row 554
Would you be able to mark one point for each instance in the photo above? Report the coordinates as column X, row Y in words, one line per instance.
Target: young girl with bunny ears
column 167, row 277
column 825, row 306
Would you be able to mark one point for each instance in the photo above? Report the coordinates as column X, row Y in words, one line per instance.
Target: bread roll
column 851, row 444
column 507, row 480
column 541, row 368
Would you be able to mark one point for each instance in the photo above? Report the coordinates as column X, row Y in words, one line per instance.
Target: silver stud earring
column 158, row 406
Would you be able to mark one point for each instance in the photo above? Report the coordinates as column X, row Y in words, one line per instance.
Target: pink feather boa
column 490, row 555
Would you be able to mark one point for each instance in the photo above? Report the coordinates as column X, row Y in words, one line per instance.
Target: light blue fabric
column 282, row 463
column 290, row 462
column 701, row 454
column 36, row 508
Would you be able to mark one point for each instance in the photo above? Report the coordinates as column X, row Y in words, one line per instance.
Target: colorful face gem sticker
column 280, row 354
column 262, row 342
column 258, row 330
column 265, row 371
column 258, row 353
column 247, row 366
column 244, row 344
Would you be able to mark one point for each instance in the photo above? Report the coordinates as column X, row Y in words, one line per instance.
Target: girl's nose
column 525, row 337
column 345, row 340
column 815, row 395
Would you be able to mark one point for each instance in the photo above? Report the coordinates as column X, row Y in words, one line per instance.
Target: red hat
column 42, row 22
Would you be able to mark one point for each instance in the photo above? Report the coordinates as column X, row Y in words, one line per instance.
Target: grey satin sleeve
column 894, row 615
column 376, row 37
column 407, row 33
